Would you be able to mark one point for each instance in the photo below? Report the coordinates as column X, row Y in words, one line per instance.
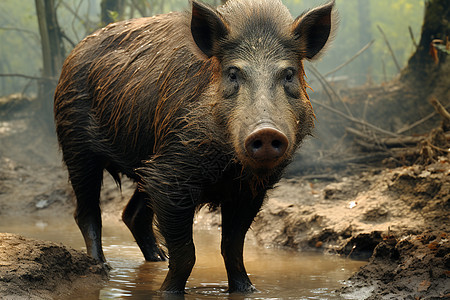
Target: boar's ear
column 207, row 27
column 312, row 30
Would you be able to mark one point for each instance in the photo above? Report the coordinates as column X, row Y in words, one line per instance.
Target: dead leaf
column 433, row 245
column 423, row 286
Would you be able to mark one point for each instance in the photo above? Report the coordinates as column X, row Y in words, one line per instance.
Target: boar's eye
column 232, row 74
column 231, row 82
column 289, row 77
column 291, row 85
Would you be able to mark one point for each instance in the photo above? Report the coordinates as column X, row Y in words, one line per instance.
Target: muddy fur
column 149, row 98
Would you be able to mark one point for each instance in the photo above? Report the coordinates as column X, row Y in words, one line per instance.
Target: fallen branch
column 392, row 141
column 417, row 123
column 354, row 120
column 416, row 149
column 440, row 109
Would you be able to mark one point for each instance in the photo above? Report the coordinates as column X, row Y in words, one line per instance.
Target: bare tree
column 53, row 55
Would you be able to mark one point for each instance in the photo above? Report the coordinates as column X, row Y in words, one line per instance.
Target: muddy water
column 277, row 274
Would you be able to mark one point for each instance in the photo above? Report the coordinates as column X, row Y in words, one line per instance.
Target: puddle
column 277, row 274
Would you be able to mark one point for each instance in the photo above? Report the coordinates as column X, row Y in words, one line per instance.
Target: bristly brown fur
column 171, row 101
column 141, row 83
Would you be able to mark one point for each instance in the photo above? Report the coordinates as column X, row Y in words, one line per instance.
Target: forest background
column 360, row 23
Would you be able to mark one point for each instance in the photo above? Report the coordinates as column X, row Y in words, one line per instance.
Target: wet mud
column 34, row 269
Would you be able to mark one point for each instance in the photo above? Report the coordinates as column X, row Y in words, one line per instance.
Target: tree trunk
column 52, row 55
column 436, row 25
column 424, row 74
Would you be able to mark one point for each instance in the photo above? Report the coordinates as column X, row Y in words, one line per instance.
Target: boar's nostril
column 257, row 144
column 277, row 144
column 266, row 144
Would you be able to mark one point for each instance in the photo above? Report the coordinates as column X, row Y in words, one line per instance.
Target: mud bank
column 352, row 214
column 397, row 217
column 413, row 267
column 33, row 269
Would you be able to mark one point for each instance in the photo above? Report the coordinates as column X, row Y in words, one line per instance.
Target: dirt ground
column 33, row 269
column 398, row 218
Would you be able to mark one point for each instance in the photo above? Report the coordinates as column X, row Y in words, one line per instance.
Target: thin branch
column 64, row 35
column 19, row 29
column 138, row 8
column 354, row 120
column 411, row 34
column 351, row 59
column 28, row 76
column 77, row 11
column 387, row 141
column 440, row 109
column 85, row 22
column 325, row 84
column 417, row 123
column 390, row 48
column 34, row 34
column 74, row 13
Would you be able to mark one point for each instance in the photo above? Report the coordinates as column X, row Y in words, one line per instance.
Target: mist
column 358, row 50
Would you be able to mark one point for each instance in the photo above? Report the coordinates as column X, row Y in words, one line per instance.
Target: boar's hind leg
column 86, row 178
column 138, row 216
column 237, row 216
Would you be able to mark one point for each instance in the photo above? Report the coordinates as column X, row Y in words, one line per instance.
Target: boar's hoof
column 242, row 289
column 266, row 146
column 155, row 254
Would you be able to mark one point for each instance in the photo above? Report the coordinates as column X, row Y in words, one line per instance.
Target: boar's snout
column 265, row 147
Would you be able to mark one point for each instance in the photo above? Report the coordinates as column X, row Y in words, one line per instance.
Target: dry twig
column 390, row 48
column 367, row 46
column 355, row 120
column 440, row 109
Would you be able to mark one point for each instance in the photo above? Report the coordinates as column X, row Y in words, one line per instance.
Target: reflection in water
column 277, row 274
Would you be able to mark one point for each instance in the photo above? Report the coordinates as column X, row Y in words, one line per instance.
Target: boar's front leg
column 237, row 216
column 175, row 224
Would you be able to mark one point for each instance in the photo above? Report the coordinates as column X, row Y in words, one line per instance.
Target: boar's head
column 261, row 100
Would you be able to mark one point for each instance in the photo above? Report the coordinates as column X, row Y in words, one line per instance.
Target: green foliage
column 114, row 15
